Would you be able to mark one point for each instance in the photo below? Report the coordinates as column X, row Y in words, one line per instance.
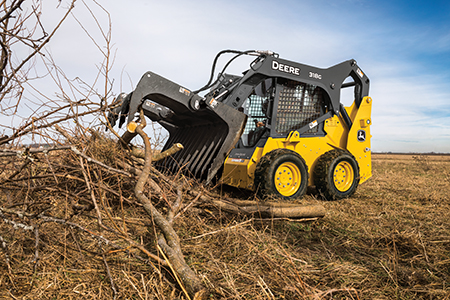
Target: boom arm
column 331, row 79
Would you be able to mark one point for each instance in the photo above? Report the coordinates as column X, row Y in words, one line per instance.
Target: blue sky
column 403, row 46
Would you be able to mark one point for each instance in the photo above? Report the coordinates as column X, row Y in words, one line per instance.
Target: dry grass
column 390, row 241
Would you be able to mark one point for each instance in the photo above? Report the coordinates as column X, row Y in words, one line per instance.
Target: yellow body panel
column 240, row 172
column 361, row 149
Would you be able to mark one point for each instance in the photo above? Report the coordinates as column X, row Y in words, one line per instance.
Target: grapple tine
column 207, row 133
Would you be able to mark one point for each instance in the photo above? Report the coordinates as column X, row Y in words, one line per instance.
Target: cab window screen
column 253, row 108
column 298, row 105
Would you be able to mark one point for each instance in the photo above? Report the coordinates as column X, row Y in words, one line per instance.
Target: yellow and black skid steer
column 276, row 129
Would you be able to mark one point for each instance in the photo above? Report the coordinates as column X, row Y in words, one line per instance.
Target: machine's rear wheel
column 336, row 175
column 281, row 173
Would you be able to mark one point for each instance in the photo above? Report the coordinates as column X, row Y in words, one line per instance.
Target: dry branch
column 139, row 153
column 27, row 151
column 168, row 240
column 262, row 209
column 49, row 219
column 18, row 33
column 271, row 211
column 108, row 272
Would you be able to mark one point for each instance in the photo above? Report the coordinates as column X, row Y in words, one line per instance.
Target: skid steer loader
column 276, row 129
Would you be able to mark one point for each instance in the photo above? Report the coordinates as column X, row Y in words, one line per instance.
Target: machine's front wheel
column 336, row 175
column 281, row 173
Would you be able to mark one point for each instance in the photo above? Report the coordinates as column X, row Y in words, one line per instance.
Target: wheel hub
column 343, row 176
column 287, row 179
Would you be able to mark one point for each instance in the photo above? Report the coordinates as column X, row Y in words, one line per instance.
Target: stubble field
column 391, row 240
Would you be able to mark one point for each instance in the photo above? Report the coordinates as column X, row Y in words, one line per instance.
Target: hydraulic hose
column 213, row 69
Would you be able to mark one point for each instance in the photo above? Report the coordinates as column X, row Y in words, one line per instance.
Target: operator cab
column 256, row 107
column 298, row 104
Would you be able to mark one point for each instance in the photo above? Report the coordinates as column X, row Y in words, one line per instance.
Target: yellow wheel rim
column 343, row 176
column 287, row 179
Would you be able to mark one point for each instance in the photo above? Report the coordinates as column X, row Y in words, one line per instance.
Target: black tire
column 292, row 178
column 336, row 175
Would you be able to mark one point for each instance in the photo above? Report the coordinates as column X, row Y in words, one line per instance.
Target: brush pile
column 73, row 226
column 87, row 218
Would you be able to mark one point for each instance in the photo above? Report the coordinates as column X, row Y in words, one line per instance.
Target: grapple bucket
column 207, row 131
column 205, row 149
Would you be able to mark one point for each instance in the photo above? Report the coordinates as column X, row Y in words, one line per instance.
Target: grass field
column 391, row 240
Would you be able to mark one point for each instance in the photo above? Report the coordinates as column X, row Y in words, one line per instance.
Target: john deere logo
column 361, row 135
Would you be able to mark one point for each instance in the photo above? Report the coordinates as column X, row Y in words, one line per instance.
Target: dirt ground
column 391, row 240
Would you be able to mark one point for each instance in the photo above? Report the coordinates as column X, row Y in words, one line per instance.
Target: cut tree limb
column 262, row 209
column 270, row 210
column 140, row 153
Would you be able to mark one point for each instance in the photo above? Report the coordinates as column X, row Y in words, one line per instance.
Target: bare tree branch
column 168, row 240
column 11, row 10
